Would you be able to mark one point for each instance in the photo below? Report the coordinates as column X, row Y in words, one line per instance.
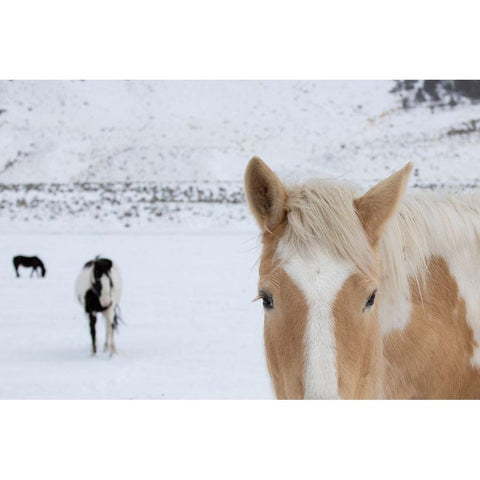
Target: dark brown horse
column 31, row 262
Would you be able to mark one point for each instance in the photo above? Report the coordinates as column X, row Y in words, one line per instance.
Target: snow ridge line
column 114, row 192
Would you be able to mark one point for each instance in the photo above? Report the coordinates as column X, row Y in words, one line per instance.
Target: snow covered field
column 191, row 330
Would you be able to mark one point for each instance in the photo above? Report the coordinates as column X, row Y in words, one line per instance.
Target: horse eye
column 371, row 299
column 267, row 300
column 267, row 303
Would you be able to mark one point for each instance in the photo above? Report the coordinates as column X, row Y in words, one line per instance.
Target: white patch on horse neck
column 466, row 274
column 319, row 279
column 394, row 310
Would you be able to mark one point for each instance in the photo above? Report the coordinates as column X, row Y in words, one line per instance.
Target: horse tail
column 117, row 317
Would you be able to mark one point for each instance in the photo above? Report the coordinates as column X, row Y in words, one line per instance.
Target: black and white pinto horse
column 98, row 289
column 33, row 262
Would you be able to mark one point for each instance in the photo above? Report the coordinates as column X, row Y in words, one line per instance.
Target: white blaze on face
column 106, row 293
column 319, row 279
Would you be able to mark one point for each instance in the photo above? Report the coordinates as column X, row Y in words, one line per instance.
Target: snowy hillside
column 190, row 135
column 175, row 131
column 101, row 131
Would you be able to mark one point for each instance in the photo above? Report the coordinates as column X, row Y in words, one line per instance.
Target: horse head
column 320, row 281
column 102, row 283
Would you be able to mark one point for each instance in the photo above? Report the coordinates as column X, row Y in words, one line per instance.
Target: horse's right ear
column 265, row 194
column 381, row 202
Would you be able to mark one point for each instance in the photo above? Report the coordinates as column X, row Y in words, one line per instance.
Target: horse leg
column 93, row 319
column 109, row 344
column 106, row 345
column 31, row 273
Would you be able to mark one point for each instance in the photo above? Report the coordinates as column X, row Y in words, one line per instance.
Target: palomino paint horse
column 98, row 289
column 33, row 262
column 368, row 296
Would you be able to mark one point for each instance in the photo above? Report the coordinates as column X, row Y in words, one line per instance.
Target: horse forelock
column 321, row 216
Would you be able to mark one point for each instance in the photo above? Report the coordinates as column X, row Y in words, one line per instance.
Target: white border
column 252, row 39
column 238, row 440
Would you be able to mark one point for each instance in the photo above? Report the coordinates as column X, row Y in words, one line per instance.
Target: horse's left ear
column 381, row 202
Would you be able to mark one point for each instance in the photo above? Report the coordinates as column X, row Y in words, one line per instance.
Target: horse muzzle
column 105, row 303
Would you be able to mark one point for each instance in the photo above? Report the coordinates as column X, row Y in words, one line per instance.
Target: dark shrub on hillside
column 437, row 93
